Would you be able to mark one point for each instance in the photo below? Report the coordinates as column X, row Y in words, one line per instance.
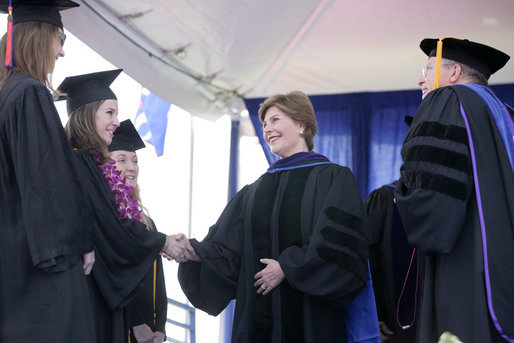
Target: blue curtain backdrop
column 363, row 131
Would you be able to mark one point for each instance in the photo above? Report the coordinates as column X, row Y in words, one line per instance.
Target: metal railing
column 189, row 325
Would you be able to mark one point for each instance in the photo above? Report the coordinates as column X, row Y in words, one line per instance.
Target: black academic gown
column 45, row 223
column 311, row 220
column 125, row 251
column 389, row 260
column 438, row 206
column 150, row 307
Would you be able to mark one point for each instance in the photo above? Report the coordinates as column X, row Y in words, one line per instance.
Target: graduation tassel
column 438, row 57
column 154, row 291
column 8, row 49
column 438, row 61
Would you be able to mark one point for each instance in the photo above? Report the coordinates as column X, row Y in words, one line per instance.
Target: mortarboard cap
column 31, row 10
column 480, row 57
column 87, row 88
column 126, row 138
column 37, row 10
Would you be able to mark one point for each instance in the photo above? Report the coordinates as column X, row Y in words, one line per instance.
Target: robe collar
column 298, row 160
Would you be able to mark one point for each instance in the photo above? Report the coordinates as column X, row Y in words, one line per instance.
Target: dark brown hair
column 33, row 51
column 81, row 130
column 297, row 105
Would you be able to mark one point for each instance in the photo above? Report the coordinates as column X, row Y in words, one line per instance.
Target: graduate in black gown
column 45, row 236
column 147, row 313
column 292, row 247
column 125, row 249
column 456, row 195
column 393, row 264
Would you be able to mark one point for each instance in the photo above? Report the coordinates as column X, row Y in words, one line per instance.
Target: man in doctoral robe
column 456, row 195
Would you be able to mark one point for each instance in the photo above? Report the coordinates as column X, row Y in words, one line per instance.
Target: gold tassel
column 154, row 291
column 438, row 58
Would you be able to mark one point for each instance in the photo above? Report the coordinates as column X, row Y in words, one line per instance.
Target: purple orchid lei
column 127, row 206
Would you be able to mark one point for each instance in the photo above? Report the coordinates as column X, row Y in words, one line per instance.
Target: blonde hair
column 136, row 195
column 33, row 51
column 298, row 106
column 81, row 130
column 145, row 217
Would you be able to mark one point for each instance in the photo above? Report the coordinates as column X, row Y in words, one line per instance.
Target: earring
column 301, row 132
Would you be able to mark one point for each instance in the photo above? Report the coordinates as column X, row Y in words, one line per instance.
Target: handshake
column 178, row 248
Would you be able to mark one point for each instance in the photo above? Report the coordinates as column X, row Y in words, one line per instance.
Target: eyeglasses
column 426, row 68
column 62, row 37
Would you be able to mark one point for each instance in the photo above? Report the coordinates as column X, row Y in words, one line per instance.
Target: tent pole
column 227, row 316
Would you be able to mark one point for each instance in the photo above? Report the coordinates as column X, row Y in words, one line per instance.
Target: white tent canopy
column 205, row 55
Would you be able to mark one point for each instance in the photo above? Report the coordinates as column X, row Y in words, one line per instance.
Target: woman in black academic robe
column 45, row 228
column 291, row 248
column 147, row 313
column 125, row 249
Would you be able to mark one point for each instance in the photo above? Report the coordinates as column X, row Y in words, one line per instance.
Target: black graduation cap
column 126, row 138
column 87, row 88
column 480, row 57
column 37, row 10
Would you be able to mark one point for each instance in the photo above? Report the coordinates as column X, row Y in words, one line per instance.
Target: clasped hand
column 178, row 248
column 144, row 334
column 87, row 262
column 270, row 277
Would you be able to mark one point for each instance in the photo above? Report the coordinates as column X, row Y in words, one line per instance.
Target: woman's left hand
column 270, row 277
column 158, row 337
column 143, row 333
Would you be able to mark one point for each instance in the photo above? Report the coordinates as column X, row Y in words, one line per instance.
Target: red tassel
column 8, row 50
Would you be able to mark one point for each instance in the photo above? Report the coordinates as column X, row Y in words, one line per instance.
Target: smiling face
column 127, row 164
column 106, row 120
column 283, row 134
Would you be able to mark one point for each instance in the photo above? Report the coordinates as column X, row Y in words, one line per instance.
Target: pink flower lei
column 127, row 206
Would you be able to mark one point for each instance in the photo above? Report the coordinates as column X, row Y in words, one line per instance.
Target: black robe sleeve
column 53, row 208
column 124, row 248
column 211, row 284
column 141, row 309
column 161, row 300
column 379, row 207
column 135, row 308
column 332, row 263
column 436, row 174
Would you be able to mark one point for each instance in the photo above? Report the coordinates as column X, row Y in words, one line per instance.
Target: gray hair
column 467, row 71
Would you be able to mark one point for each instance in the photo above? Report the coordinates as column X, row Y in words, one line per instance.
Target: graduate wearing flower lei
column 147, row 313
column 128, row 207
column 125, row 249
